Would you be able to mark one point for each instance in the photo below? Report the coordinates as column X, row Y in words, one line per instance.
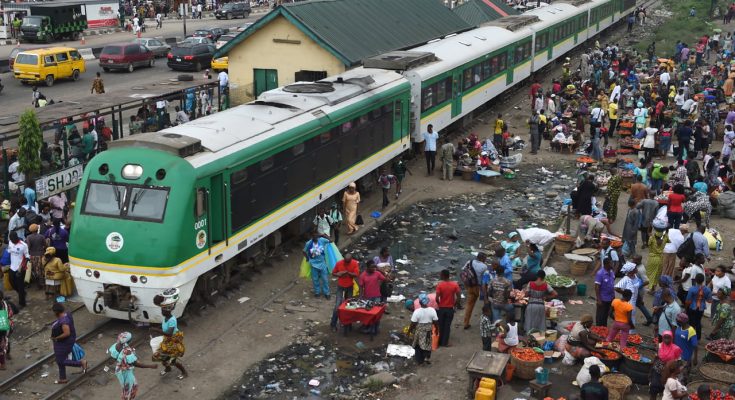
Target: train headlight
column 133, row 279
column 132, row 171
column 89, row 273
column 143, row 279
column 97, row 274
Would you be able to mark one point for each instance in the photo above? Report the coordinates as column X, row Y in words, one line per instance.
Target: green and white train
column 188, row 206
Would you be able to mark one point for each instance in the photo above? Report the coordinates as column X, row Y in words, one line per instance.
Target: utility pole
column 183, row 12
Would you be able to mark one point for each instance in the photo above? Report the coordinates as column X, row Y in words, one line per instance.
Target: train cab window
column 104, row 199
column 266, row 164
column 147, row 203
column 200, row 206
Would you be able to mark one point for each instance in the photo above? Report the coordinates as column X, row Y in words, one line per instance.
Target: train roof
column 454, row 51
column 556, row 12
column 208, row 138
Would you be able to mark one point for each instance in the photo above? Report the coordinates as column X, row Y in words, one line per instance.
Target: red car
column 126, row 56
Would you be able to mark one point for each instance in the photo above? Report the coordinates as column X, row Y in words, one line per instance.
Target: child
column 508, row 340
column 399, row 169
column 486, row 327
column 385, row 180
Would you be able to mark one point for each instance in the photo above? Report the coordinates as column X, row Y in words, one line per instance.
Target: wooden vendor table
column 486, row 364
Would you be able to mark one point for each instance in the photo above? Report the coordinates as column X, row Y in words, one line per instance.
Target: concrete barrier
column 87, row 53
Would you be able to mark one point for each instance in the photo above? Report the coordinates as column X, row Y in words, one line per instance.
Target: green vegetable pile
column 559, row 280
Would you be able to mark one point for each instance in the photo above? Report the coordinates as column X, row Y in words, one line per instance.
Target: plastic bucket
column 581, row 289
column 542, row 377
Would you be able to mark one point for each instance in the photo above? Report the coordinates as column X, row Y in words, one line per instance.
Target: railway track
column 37, row 378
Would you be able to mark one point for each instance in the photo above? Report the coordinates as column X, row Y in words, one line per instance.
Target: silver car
column 157, row 46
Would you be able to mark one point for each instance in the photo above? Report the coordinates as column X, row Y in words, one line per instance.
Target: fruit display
column 526, row 354
column 600, row 331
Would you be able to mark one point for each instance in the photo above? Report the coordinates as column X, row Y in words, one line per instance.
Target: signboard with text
column 49, row 185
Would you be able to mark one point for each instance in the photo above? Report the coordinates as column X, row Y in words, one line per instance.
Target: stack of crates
column 486, row 389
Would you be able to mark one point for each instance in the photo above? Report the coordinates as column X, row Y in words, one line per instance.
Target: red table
column 368, row 318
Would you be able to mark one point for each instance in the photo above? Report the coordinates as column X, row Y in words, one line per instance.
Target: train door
column 217, row 209
column 456, row 92
column 398, row 120
column 512, row 64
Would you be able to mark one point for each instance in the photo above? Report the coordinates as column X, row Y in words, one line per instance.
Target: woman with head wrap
column 723, row 321
column 581, row 340
column 172, row 347
column 667, row 352
column 422, row 321
column 125, row 361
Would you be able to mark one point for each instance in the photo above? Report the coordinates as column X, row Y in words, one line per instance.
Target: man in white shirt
column 688, row 275
column 162, row 113
column 665, row 78
column 688, row 107
column 224, row 80
column 679, row 99
column 159, row 21
column 18, row 251
column 596, row 116
column 199, row 10
column 17, row 223
column 14, row 171
column 58, row 204
column 676, row 238
column 136, row 24
column 430, row 138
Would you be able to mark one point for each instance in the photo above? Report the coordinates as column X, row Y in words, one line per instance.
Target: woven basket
column 579, row 268
column 563, row 246
column 524, row 369
column 723, row 373
column 618, row 383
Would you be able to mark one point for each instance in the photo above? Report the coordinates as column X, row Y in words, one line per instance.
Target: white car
column 197, row 40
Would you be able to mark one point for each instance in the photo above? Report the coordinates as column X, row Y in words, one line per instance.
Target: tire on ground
column 185, row 77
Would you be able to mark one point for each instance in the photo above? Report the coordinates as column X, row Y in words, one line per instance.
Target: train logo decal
column 201, row 239
column 114, row 242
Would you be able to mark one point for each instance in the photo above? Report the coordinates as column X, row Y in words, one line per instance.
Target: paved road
column 171, row 28
column 16, row 97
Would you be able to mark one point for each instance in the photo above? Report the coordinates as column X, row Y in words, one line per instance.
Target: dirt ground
column 230, row 343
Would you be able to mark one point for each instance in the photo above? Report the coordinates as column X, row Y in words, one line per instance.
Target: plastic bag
column 434, row 338
column 536, row 236
column 355, row 289
column 305, row 270
column 77, row 352
column 584, row 373
column 156, row 343
column 568, row 359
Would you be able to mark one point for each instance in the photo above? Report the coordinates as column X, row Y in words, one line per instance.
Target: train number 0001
column 200, row 224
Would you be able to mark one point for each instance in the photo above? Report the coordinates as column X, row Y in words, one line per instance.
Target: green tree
column 29, row 144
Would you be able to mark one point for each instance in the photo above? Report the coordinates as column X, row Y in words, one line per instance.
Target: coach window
column 428, row 97
column 467, row 83
column 503, row 61
column 266, row 164
column 441, row 91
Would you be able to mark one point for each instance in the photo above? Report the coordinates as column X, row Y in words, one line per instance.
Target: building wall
column 260, row 51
